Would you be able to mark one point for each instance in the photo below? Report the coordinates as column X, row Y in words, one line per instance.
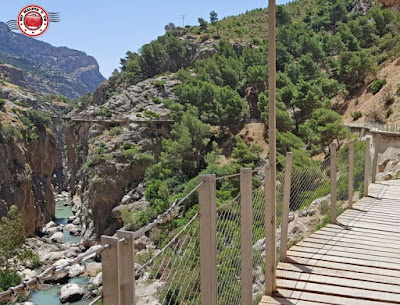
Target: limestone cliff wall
column 26, row 171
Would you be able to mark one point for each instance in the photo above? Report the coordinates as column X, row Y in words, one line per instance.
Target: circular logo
column 33, row 21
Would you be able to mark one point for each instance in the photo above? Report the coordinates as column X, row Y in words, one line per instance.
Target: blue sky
column 107, row 29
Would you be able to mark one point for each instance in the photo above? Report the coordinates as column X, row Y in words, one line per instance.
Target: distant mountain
column 50, row 69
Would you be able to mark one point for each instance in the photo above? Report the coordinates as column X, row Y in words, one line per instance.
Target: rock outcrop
column 101, row 172
column 27, row 165
column 72, row 73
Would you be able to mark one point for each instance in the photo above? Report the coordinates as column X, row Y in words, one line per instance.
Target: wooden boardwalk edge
column 353, row 262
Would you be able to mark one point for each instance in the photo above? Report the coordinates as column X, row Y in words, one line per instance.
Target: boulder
column 51, row 231
column 92, row 269
column 70, row 227
column 58, row 237
column 97, row 280
column 71, row 293
column 126, row 199
column 75, row 270
column 50, row 224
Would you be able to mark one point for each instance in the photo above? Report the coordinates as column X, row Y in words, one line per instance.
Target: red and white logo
column 33, row 21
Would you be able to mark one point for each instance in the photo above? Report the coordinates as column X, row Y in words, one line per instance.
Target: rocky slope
column 31, row 158
column 107, row 161
column 50, row 69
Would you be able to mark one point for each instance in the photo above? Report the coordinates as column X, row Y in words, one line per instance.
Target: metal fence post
column 208, row 240
column 367, row 167
column 351, row 173
column 246, row 236
column 126, row 268
column 377, row 142
column 270, row 238
column 109, row 265
column 285, row 208
column 333, row 182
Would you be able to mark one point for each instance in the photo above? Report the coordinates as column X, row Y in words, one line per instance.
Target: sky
column 108, row 29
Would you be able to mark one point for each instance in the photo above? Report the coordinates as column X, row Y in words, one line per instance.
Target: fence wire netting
column 228, row 253
column 172, row 273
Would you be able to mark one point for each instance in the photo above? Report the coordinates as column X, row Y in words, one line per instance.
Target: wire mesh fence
column 258, row 250
column 228, row 253
column 173, row 272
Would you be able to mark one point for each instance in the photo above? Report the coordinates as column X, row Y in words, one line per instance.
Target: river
column 50, row 296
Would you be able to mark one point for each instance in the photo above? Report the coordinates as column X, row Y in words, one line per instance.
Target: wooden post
column 367, row 167
column 270, row 242
column 285, row 207
column 109, row 266
column 351, row 173
column 126, row 268
column 270, row 238
column 246, row 236
column 208, row 240
column 377, row 142
column 333, row 182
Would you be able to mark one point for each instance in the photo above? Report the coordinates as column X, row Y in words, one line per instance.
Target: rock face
column 103, row 179
column 72, row 72
column 27, row 167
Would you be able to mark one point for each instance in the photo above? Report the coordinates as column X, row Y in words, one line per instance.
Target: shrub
column 205, row 38
column 151, row 114
column 377, row 117
column 388, row 98
column 138, row 115
column 41, row 120
column 10, row 133
column 159, row 83
column 389, row 112
column 2, row 103
column 377, row 85
column 115, row 131
column 156, row 100
column 134, row 155
column 356, row 115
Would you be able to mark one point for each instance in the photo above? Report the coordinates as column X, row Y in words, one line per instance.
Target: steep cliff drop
column 30, row 155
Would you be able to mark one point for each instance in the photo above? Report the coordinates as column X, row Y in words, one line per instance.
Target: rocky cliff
column 30, row 154
column 50, row 69
column 108, row 160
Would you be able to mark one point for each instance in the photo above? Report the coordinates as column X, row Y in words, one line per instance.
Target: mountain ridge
column 50, row 69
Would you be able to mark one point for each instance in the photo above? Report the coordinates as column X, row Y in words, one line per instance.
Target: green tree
column 12, row 238
column 203, row 23
column 324, row 127
column 244, row 154
column 282, row 16
column 354, row 67
column 213, row 17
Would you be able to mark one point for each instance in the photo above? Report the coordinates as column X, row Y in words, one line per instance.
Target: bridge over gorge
column 339, row 224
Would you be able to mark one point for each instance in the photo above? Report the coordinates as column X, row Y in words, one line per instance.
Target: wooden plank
column 368, row 232
column 285, row 207
column 343, row 259
column 328, row 250
column 368, row 269
column 323, row 298
column 267, row 300
column 338, row 290
column 334, row 246
column 356, row 241
column 379, row 250
column 337, row 281
column 374, row 278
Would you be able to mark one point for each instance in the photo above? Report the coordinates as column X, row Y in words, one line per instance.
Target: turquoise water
column 50, row 297
column 62, row 214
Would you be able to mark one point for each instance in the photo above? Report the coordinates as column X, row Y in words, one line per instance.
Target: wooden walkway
column 356, row 262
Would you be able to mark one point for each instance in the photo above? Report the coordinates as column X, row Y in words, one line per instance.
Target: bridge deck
column 354, row 262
